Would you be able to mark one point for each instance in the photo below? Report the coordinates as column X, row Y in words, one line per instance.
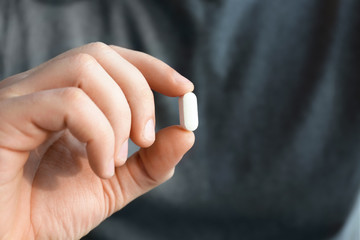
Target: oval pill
column 188, row 111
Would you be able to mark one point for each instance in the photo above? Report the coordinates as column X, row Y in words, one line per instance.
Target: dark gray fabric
column 277, row 153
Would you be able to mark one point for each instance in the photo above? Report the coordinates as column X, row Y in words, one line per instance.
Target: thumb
column 149, row 167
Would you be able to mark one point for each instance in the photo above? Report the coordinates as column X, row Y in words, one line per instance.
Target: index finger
column 160, row 76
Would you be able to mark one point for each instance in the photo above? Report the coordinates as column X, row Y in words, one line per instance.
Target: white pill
column 188, row 111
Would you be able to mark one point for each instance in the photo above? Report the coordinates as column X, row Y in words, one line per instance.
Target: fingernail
column 149, row 131
column 110, row 168
column 180, row 78
column 123, row 152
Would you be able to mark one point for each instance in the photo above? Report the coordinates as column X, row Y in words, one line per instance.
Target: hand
column 63, row 127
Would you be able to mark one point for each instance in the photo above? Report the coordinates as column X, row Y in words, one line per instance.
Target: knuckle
column 146, row 94
column 112, row 46
column 144, row 99
column 169, row 72
column 97, row 46
column 82, row 65
column 99, row 49
column 82, row 60
column 169, row 175
column 73, row 95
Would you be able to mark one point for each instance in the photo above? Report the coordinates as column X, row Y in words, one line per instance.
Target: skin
column 64, row 127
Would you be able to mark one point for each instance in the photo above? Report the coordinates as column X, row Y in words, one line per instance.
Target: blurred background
column 277, row 152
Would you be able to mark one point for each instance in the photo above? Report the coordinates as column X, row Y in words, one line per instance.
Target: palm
column 56, row 193
column 65, row 191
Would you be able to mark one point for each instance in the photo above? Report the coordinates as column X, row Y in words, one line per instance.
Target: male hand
column 65, row 125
